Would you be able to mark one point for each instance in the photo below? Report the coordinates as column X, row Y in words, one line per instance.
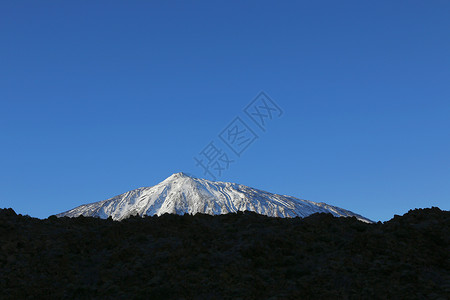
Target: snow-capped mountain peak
column 182, row 193
column 180, row 175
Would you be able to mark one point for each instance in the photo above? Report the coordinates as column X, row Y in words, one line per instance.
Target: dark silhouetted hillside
column 233, row 256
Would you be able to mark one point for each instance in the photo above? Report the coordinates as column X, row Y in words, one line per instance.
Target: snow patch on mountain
column 184, row 194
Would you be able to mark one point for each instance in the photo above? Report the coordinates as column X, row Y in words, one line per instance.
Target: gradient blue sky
column 101, row 97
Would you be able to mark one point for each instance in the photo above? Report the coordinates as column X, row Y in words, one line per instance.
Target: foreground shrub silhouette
column 232, row 256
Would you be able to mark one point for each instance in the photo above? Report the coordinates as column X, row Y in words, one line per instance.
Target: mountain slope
column 181, row 193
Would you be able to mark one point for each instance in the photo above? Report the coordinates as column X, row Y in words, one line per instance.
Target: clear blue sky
column 101, row 97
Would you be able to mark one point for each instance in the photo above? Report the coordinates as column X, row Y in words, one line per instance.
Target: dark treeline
column 234, row 256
